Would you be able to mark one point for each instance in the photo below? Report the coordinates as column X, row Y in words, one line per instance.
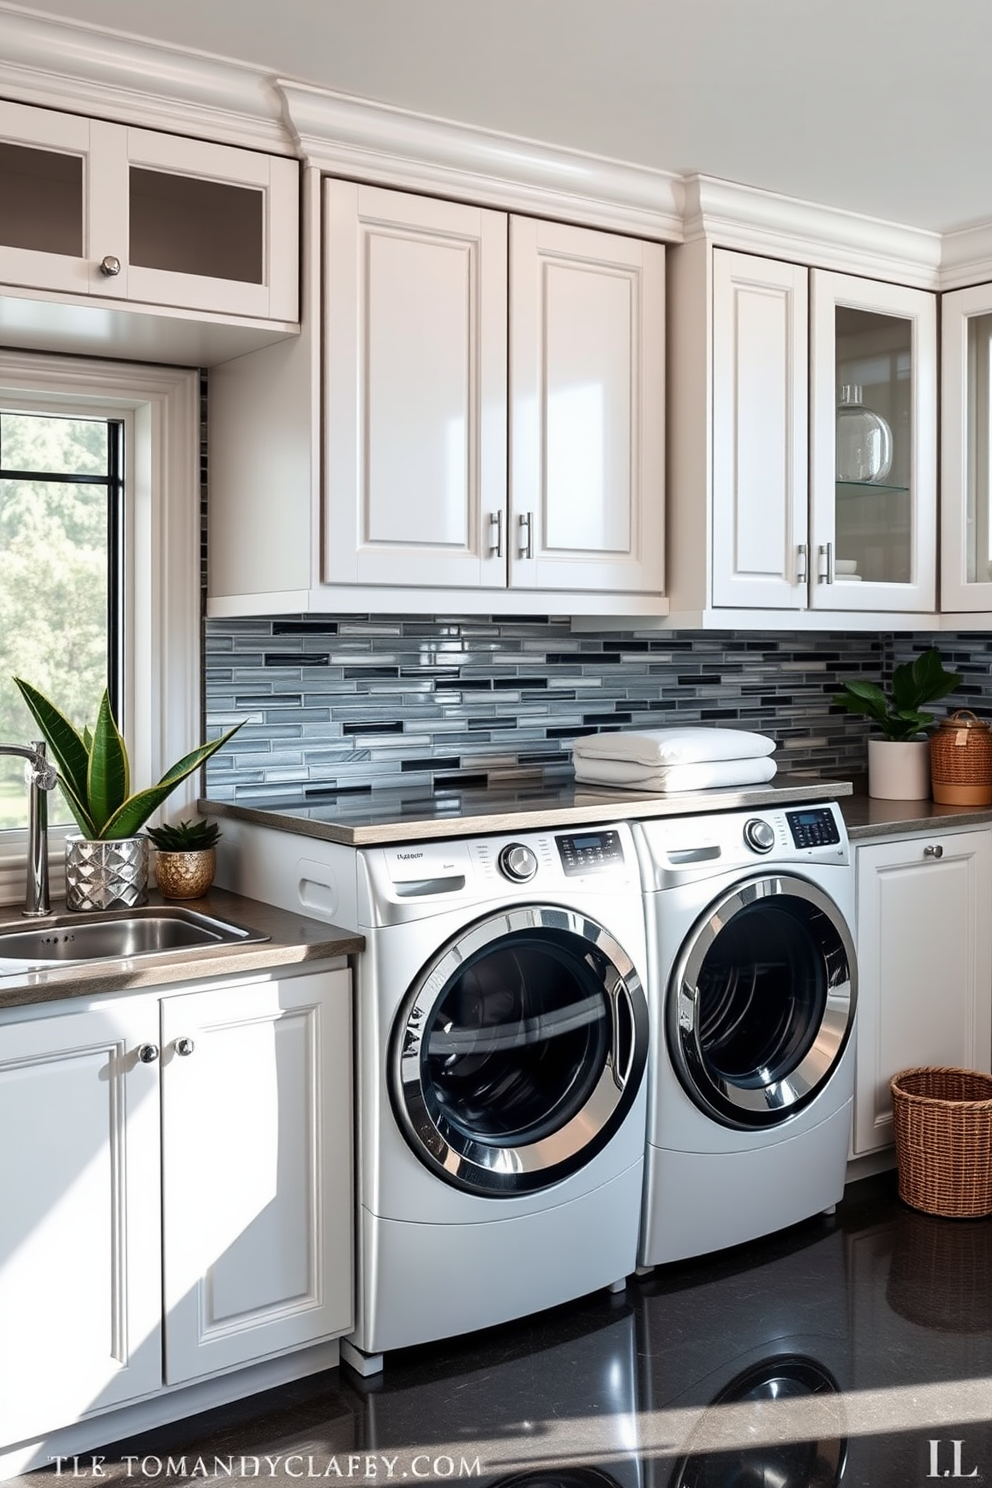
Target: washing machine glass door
column 519, row 1050
column 762, row 1001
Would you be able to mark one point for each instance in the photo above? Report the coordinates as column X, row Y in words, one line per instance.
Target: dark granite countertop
column 293, row 939
column 868, row 816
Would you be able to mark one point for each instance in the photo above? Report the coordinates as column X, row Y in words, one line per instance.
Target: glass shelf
column 858, row 489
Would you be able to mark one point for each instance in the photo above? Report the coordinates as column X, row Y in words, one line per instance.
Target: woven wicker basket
column 943, row 1126
column 961, row 760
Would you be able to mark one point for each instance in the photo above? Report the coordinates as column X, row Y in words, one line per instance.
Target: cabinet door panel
column 415, row 386
column 44, row 185
column 759, row 431
column 256, row 1142
column 587, row 399
column 925, row 962
column 79, row 1218
column 966, row 450
column 881, row 340
column 211, row 227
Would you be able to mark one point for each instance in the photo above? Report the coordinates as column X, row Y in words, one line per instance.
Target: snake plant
column 94, row 772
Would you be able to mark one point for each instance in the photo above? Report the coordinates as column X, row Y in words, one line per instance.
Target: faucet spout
column 41, row 777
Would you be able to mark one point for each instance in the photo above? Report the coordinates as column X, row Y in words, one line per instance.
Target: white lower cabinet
column 176, row 1181
column 925, row 965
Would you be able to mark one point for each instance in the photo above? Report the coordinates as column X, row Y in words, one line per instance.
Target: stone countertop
column 292, row 940
column 869, row 817
column 392, row 816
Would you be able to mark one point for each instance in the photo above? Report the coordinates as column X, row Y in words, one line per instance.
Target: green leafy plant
column 94, row 772
column 188, row 836
column 900, row 716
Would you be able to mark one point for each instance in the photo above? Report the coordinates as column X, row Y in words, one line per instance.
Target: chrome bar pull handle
column 496, row 534
column 802, row 560
column 526, row 538
column 825, row 565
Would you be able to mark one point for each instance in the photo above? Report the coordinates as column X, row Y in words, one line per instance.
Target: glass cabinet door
column 44, row 183
column 966, row 450
column 873, row 479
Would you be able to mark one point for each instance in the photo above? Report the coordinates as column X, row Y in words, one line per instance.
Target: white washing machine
column 502, row 1034
column 752, row 988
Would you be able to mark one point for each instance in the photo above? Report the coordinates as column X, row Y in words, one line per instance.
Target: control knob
column 759, row 834
column 517, row 862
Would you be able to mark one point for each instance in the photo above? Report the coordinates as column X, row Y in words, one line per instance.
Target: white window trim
column 162, row 708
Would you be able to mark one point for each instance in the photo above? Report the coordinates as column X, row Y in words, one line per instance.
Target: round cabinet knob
column 148, row 1053
column 517, row 862
column 110, row 265
column 759, row 835
column 184, row 1046
column 933, row 852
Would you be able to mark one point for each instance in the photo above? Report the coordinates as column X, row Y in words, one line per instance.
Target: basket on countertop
column 943, row 1127
column 961, row 760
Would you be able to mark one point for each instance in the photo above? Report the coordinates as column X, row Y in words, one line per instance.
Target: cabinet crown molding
column 758, row 221
column 345, row 135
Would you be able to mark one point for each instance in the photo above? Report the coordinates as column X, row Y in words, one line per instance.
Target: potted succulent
column 899, row 762
column 106, row 865
column 185, row 858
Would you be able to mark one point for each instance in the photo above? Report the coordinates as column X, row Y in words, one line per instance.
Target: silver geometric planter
column 106, row 875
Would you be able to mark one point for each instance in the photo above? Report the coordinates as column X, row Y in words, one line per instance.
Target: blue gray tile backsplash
column 372, row 702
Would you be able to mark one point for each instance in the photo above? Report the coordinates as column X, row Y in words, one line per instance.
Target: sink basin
column 116, row 935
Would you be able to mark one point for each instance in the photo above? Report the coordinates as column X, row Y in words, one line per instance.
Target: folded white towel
column 674, row 746
column 704, row 775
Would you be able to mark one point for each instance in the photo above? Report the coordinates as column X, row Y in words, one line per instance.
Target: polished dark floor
column 852, row 1349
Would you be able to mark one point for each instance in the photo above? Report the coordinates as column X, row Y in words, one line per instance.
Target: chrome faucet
column 42, row 777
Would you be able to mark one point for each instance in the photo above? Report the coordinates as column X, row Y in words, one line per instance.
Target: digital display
column 805, row 818
column 593, row 852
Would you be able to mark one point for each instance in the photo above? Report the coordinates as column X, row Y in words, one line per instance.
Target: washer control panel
column 813, row 827
column 589, row 852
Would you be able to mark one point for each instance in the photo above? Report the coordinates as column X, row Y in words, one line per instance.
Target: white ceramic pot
column 899, row 770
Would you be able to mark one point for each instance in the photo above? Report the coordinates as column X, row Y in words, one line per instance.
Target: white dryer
column 502, row 1035
column 752, row 988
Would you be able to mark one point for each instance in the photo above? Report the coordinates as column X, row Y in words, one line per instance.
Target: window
column 61, row 598
column 146, row 420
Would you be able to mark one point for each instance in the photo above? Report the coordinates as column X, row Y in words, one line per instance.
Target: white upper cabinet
column 414, row 388
column 454, row 334
column 130, row 215
column 966, row 450
column 760, row 381
column 779, row 499
column 587, row 351
column 873, row 480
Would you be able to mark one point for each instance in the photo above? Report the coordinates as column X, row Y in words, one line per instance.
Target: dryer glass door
column 762, row 1001
column 519, row 1050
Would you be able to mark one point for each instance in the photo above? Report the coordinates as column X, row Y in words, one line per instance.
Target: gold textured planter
column 185, row 875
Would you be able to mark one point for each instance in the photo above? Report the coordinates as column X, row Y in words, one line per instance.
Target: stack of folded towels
column 674, row 759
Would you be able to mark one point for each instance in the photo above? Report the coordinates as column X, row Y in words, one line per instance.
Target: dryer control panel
column 814, row 826
column 589, row 852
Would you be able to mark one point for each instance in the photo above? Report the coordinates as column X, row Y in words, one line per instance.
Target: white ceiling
column 879, row 106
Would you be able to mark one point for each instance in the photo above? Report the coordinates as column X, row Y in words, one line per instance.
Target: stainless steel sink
column 116, row 935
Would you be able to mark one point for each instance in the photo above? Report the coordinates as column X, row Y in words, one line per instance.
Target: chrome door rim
column 765, row 1105
column 493, row 1169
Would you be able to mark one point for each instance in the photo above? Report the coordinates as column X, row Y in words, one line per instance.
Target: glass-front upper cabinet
column 96, row 208
column 873, row 455
column 966, row 450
